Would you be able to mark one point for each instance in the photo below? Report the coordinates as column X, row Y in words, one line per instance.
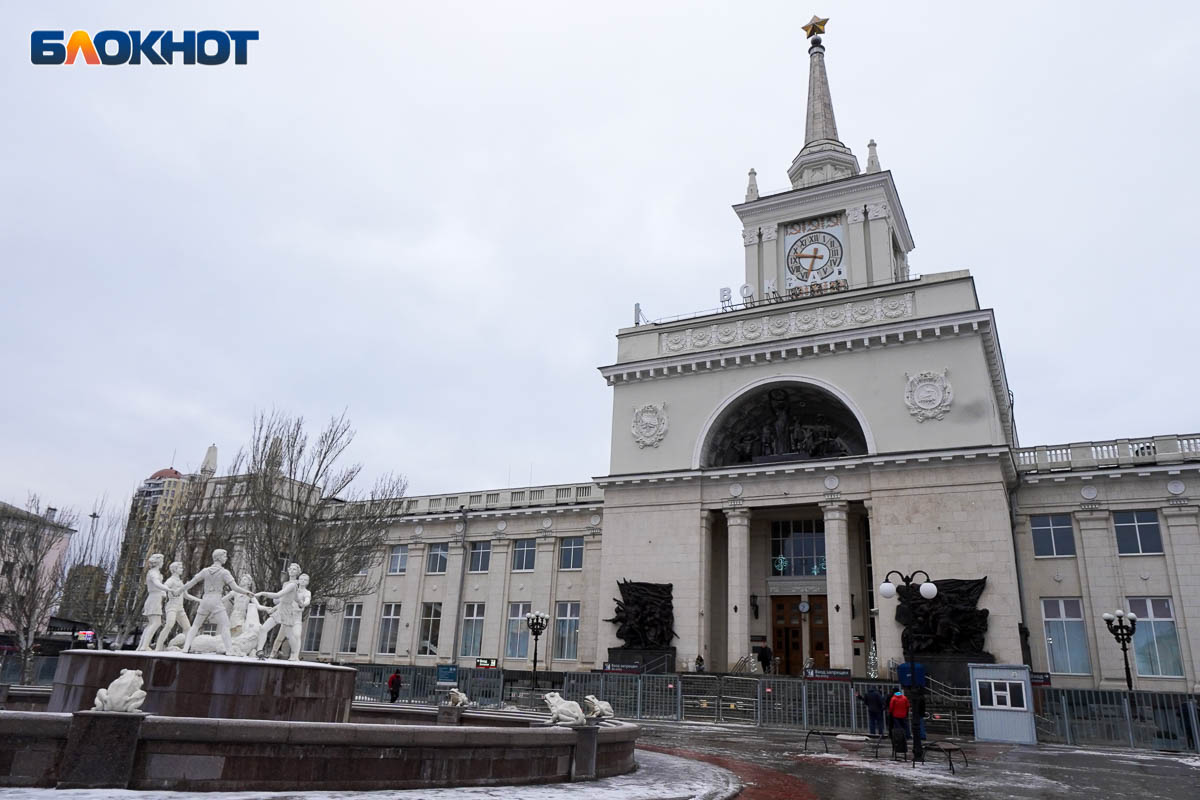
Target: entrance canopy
column 783, row 421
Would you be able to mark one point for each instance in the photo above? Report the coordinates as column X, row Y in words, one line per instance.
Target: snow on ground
column 658, row 777
column 935, row 772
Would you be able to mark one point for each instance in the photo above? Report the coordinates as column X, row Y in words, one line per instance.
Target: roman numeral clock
column 814, row 252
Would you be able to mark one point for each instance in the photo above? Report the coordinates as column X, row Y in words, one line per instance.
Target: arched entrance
column 783, row 421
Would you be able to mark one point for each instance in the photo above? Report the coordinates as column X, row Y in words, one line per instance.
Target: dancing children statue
column 212, row 606
column 175, row 612
column 292, row 632
column 285, row 614
column 156, row 592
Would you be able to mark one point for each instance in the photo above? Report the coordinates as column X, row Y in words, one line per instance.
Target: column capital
column 738, row 516
column 1180, row 511
column 835, row 509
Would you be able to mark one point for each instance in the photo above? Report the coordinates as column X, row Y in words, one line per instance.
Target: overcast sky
column 437, row 215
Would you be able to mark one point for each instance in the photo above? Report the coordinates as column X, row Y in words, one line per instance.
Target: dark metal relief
column 645, row 615
column 784, row 422
column 949, row 623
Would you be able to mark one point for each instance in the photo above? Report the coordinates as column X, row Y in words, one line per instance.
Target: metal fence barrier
column 1117, row 718
column 1113, row 718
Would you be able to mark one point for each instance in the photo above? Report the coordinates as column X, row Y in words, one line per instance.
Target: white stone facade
column 861, row 422
column 545, row 519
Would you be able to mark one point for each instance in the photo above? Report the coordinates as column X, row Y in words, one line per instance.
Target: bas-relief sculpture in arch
column 782, row 419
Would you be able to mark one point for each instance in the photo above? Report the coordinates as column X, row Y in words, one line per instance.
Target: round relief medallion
column 458, row 527
column 735, row 490
column 1089, row 492
column 594, row 519
column 501, row 525
column 832, row 482
column 1176, row 487
column 419, row 530
column 546, row 523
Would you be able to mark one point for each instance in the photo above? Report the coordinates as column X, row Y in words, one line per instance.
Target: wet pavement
column 771, row 764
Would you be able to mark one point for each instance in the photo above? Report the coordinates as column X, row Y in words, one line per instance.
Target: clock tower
column 837, row 228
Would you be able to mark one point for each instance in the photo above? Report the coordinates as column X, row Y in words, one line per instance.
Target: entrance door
column 787, row 626
column 818, row 630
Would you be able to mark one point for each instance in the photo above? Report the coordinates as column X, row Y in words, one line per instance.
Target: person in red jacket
column 394, row 683
column 898, row 708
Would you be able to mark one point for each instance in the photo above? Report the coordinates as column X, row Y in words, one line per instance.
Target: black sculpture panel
column 645, row 615
column 784, row 422
column 949, row 623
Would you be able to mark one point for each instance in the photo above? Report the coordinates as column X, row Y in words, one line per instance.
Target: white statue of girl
column 285, row 613
column 156, row 592
column 291, row 633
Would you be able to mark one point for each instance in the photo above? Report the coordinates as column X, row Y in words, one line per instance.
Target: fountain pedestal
column 209, row 686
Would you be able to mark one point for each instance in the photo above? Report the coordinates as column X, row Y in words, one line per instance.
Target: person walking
column 898, row 708
column 394, row 684
column 918, row 712
column 875, row 704
column 765, row 657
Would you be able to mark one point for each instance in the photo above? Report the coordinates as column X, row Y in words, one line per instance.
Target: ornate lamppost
column 537, row 621
column 928, row 590
column 1122, row 625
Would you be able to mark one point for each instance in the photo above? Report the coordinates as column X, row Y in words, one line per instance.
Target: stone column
column 753, row 274
column 1103, row 591
column 703, row 594
column 837, row 583
column 1183, row 542
column 738, row 639
column 410, row 607
column 769, row 265
column 878, row 231
column 858, row 268
column 497, row 595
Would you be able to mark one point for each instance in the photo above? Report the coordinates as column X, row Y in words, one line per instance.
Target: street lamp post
column 1122, row 625
column 928, row 590
column 537, row 622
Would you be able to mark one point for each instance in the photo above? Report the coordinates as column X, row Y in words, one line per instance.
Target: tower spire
column 823, row 158
column 752, row 187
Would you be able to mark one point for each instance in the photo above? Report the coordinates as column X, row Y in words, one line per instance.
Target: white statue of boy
column 212, row 607
column 175, row 613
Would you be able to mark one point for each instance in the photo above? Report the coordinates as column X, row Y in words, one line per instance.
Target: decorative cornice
column 828, row 197
column 789, row 324
column 913, row 331
column 1137, row 470
column 836, row 465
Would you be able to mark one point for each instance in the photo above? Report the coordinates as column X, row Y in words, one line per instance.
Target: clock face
column 815, row 257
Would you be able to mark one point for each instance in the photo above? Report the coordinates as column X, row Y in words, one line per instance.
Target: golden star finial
column 815, row 25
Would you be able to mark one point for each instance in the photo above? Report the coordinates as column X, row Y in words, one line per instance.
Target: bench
column 949, row 748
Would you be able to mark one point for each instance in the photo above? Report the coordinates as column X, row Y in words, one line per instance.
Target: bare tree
column 289, row 497
column 98, row 589
column 33, row 547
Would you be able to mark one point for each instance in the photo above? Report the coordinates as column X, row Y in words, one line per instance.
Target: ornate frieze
column 649, row 424
column 836, row 316
column 928, row 395
column 877, row 210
